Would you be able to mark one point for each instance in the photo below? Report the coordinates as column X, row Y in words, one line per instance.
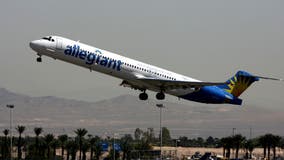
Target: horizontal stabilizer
column 269, row 78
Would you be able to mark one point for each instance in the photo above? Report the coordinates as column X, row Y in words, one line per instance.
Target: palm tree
column 48, row 139
column 71, row 147
column 266, row 142
column 42, row 148
column 94, row 142
column 62, row 139
column 249, row 147
column 30, row 149
column 54, row 144
column 85, row 148
column 263, row 142
column 126, row 146
column 5, row 149
column 227, row 144
column 98, row 150
column 20, row 130
column 282, row 143
column 275, row 142
column 237, row 142
column 38, row 131
column 269, row 140
column 81, row 132
column 68, row 147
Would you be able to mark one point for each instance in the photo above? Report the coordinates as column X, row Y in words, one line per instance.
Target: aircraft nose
column 35, row 44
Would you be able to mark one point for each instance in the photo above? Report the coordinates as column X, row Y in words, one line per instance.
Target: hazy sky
column 206, row 40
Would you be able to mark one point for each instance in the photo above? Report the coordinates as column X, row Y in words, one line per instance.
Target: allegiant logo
column 91, row 58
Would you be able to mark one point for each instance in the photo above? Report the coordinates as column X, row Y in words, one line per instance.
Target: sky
column 206, row 40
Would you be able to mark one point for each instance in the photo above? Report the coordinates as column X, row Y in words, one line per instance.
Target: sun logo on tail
column 238, row 84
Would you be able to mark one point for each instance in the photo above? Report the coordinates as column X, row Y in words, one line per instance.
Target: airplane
column 141, row 76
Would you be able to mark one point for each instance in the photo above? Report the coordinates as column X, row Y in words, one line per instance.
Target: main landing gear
column 160, row 96
column 144, row 96
column 38, row 59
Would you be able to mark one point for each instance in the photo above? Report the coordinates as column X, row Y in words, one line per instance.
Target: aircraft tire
column 160, row 96
column 143, row 96
column 38, row 59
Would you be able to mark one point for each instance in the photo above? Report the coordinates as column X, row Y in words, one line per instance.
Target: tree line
column 44, row 146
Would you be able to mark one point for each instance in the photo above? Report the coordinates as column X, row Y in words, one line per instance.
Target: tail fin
column 239, row 83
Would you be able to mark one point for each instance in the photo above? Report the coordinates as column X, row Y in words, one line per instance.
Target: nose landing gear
column 38, row 59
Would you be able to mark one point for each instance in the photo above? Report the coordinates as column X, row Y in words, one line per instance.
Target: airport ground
column 187, row 152
column 182, row 153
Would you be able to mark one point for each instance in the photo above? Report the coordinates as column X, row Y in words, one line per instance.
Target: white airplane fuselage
column 142, row 76
column 107, row 62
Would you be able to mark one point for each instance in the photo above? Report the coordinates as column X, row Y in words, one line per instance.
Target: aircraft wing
column 171, row 84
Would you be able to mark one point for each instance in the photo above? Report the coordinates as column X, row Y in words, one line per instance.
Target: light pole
column 234, row 129
column 161, row 134
column 113, row 146
column 11, row 106
column 250, row 132
column 177, row 140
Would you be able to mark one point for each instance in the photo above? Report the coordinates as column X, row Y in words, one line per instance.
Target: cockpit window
column 46, row 38
column 49, row 38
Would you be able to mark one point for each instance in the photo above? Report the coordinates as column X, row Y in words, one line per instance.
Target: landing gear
column 143, row 96
column 160, row 96
column 38, row 59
